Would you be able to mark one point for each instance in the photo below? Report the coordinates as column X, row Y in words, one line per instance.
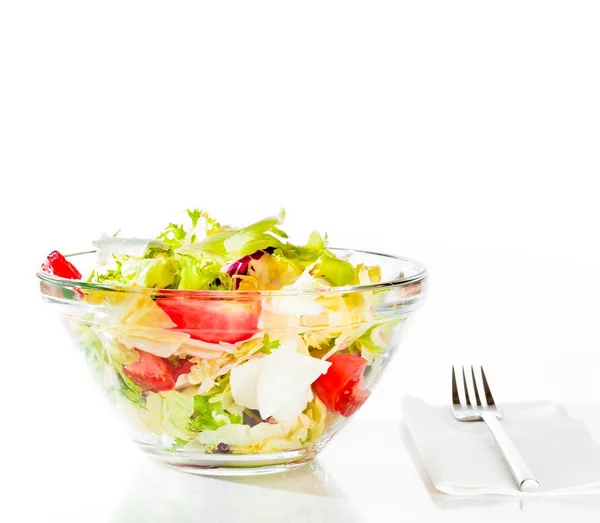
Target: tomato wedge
column 154, row 373
column 212, row 320
column 58, row 265
column 339, row 388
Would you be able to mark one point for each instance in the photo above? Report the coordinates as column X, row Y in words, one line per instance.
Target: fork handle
column 520, row 471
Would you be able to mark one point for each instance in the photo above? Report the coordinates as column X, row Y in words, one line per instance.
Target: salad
column 227, row 371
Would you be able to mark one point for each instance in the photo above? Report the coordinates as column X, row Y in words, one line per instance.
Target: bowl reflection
column 304, row 495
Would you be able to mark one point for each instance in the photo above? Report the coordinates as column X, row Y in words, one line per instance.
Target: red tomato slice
column 58, row 265
column 339, row 388
column 212, row 320
column 154, row 373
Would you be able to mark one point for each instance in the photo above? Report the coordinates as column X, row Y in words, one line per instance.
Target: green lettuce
column 182, row 417
column 159, row 272
column 129, row 388
column 173, row 235
column 337, row 272
column 195, row 215
column 304, row 255
column 258, row 236
column 268, row 345
column 377, row 339
column 170, row 413
column 197, row 273
column 213, row 245
column 178, row 260
column 108, row 276
column 210, row 414
column 176, row 236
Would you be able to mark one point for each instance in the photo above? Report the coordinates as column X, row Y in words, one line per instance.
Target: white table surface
column 370, row 473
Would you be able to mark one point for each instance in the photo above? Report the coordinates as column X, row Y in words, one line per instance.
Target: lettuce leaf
column 195, row 215
column 177, row 411
column 176, row 236
column 158, row 273
column 131, row 390
column 378, row 338
column 269, row 272
column 304, row 255
column 269, row 345
column 182, row 416
column 198, row 273
column 258, row 236
column 210, row 414
column 271, row 437
column 169, row 412
column 337, row 272
column 109, row 275
column 178, row 259
column 173, row 235
column 213, row 245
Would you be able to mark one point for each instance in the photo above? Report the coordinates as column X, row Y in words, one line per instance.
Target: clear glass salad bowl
column 180, row 393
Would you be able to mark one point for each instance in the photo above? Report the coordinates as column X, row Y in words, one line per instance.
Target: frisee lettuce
column 269, row 345
column 180, row 259
column 195, row 215
column 173, row 235
column 209, row 414
column 198, row 272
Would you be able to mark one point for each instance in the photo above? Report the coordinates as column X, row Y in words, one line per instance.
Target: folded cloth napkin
column 463, row 459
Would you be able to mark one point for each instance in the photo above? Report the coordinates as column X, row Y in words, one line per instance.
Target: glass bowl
column 176, row 393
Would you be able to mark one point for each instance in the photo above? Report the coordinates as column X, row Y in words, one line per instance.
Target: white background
column 463, row 134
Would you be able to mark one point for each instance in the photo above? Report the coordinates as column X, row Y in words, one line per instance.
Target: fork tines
column 489, row 399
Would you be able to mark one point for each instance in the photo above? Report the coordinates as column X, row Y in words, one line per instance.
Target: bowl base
column 234, row 471
column 230, row 464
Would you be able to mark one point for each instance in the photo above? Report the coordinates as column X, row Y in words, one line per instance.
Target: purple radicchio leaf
column 240, row 267
column 221, row 448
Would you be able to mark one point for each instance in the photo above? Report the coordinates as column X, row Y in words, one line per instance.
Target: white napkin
column 462, row 458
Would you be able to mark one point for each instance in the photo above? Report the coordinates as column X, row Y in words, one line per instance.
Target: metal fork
column 491, row 415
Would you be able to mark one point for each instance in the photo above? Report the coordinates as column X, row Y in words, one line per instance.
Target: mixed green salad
column 254, row 372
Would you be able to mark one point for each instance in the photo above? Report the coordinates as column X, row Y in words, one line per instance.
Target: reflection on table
column 307, row 494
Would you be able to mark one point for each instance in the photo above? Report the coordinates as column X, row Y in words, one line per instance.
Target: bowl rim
column 419, row 276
